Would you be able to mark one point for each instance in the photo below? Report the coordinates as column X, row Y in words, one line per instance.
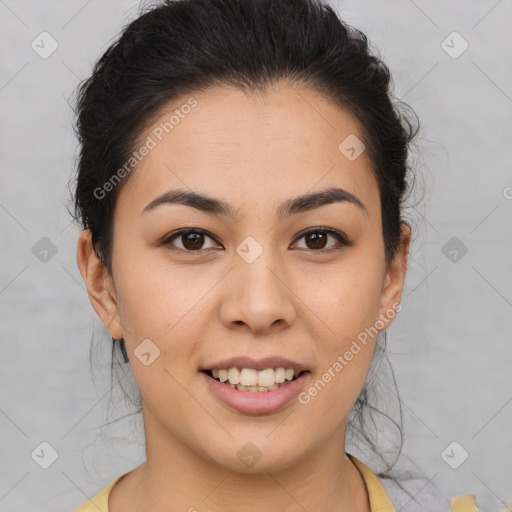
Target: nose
column 257, row 298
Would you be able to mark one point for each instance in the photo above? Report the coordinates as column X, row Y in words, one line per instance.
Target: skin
column 293, row 301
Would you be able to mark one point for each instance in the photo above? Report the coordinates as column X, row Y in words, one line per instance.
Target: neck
column 175, row 477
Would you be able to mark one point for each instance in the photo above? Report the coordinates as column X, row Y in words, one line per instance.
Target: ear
column 394, row 278
column 100, row 285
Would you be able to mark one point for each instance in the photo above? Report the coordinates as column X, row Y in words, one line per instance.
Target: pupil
column 317, row 238
column 195, row 239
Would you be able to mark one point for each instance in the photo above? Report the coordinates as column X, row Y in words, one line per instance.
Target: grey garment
column 418, row 496
column 410, row 489
column 428, row 498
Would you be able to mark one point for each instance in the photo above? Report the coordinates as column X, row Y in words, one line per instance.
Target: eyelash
column 342, row 239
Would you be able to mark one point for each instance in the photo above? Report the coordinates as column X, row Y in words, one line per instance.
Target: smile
column 252, row 398
column 251, row 380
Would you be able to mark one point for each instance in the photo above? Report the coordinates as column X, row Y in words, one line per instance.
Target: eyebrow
column 290, row 207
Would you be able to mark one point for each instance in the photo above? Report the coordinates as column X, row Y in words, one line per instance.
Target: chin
column 253, row 457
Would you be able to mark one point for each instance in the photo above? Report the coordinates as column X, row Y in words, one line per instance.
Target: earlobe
column 99, row 284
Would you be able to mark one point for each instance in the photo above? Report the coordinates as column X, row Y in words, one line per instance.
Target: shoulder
column 415, row 495
column 419, row 495
column 413, row 492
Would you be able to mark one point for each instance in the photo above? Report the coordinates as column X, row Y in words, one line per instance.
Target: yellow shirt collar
column 379, row 500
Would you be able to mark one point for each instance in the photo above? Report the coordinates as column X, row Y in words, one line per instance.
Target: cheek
column 152, row 295
column 345, row 312
column 345, row 304
column 160, row 301
column 345, row 301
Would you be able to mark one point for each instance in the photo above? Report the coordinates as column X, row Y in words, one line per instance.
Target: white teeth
column 279, row 375
column 248, row 377
column 234, row 375
column 252, row 389
column 266, row 377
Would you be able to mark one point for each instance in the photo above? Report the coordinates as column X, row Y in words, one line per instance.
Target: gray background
column 450, row 346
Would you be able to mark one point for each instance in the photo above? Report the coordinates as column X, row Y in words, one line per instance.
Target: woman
column 240, row 183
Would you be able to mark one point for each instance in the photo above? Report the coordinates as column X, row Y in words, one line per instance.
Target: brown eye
column 317, row 238
column 192, row 240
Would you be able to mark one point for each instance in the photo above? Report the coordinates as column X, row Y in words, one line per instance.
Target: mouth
column 255, row 381
column 251, row 391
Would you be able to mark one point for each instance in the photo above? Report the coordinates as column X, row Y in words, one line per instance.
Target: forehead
column 247, row 148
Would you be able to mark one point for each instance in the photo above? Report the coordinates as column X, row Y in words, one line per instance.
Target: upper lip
column 259, row 364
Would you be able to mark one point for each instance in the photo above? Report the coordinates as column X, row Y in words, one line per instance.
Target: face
column 268, row 282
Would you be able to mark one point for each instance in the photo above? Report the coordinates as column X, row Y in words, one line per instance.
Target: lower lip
column 248, row 402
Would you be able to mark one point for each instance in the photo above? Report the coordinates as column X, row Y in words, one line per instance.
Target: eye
column 192, row 239
column 316, row 239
